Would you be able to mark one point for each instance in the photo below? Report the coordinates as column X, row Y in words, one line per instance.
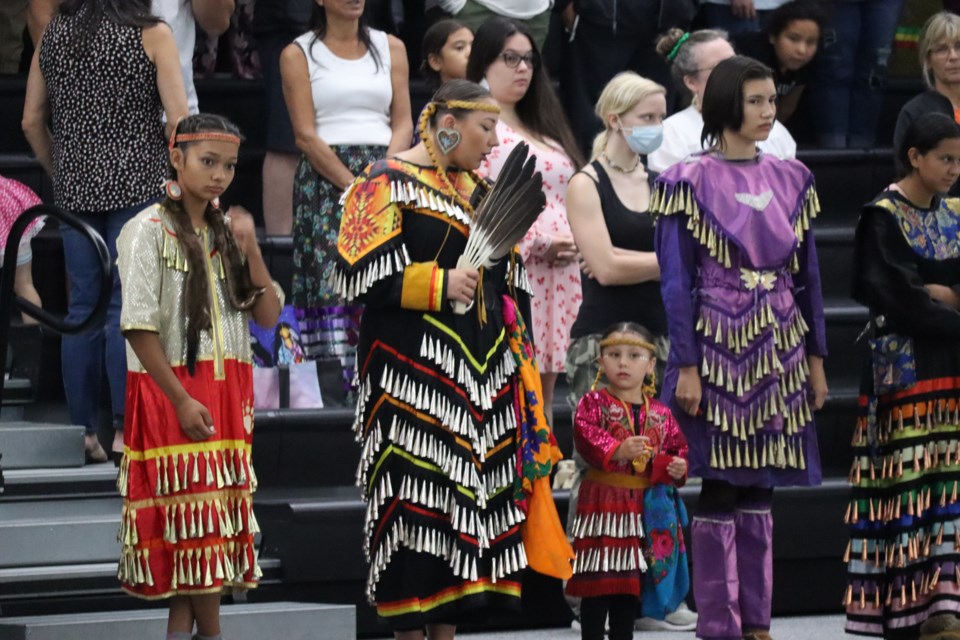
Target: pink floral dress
column 15, row 198
column 556, row 290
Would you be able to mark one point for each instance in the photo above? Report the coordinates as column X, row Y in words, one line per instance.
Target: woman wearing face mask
column 505, row 57
column 693, row 57
column 607, row 205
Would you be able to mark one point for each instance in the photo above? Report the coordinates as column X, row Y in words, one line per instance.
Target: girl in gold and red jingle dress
column 191, row 277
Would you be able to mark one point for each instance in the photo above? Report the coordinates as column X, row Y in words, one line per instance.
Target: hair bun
column 668, row 41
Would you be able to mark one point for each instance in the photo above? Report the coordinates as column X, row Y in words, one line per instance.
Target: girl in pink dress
column 506, row 59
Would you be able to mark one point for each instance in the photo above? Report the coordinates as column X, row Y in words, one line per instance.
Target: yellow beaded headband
column 627, row 342
column 469, row 106
column 422, row 126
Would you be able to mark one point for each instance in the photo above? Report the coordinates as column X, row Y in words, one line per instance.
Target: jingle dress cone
column 187, row 524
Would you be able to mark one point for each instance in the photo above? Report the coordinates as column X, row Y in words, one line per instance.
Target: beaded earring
column 447, row 139
column 174, row 192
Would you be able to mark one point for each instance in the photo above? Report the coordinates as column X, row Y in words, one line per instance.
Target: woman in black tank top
column 610, row 223
column 607, row 205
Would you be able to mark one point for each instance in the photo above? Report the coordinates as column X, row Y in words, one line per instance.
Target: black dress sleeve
column 887, row 280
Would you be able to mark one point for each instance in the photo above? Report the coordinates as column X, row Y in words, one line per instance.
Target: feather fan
column 506, row 213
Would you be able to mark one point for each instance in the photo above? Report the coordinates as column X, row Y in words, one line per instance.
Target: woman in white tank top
column 345, row 86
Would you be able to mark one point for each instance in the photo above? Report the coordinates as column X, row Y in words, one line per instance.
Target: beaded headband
column 629, row 342
column 203, row 135
column 469, row 106
column 422, row 126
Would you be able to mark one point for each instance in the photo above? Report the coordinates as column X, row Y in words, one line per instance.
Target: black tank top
column 603, row 306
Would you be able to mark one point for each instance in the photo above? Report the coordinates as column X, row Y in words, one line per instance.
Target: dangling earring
column 596, row 380
column 650, row 385
column 172, row 187
column 447, row 139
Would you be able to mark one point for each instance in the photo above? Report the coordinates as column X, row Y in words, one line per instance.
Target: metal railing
column 9, row 299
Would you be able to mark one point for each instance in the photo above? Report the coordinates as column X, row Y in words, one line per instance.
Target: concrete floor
column 794, row 628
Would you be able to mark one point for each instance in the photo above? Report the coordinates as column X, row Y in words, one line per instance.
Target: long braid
column 240, row 288
column 454, row 104
column 196, row 293
column 423, row 126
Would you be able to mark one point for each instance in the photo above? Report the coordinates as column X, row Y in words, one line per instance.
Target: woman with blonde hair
column 607, row 206
column 939, row 51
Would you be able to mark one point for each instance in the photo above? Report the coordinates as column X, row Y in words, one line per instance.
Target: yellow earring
column 596, row 380
column 650, row 388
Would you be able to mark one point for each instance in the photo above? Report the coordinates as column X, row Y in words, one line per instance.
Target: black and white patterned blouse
column 109, row 150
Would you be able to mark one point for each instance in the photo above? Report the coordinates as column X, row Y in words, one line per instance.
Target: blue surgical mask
column 644, row 140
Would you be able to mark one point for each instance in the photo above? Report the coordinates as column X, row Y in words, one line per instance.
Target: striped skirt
column 903, row 557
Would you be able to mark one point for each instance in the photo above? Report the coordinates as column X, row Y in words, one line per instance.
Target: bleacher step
column 59, row 532
column 17, row 583
column 92, row 480
column 27, row 445
column 288, row 620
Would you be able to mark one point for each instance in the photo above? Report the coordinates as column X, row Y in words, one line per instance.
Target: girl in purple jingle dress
column 741, row 287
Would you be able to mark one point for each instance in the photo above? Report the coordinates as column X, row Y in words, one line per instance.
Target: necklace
column 720, row 155
column 616, row 167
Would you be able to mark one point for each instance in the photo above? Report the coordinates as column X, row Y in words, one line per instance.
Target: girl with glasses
column 505, row 57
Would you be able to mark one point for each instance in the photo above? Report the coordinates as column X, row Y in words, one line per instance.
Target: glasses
column 945, row 49
column 513, row 60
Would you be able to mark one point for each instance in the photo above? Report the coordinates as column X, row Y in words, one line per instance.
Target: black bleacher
column 309, row 511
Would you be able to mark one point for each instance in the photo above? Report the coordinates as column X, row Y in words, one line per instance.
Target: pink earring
column 172, row 187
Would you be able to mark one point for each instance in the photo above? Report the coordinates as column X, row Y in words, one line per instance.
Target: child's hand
column 195, row 420
column 677, row 468
column 631, row 448
column 243, row 230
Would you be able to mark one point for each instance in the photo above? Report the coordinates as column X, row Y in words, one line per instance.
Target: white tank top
column 351, row 98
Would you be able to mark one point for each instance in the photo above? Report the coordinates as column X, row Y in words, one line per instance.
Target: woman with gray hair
column 939, row 50
column 692, row 57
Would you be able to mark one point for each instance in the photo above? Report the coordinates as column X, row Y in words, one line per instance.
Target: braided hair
column 459, row 98
column 240, row 289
